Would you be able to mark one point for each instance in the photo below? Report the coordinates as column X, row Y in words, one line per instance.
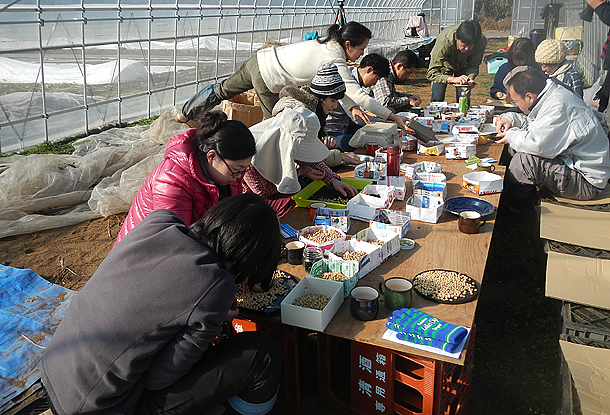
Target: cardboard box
column 457, row 150
column 347, row 268
column 482, row 182
column 366, row 264
column 590, row 370
column 370, row 170
column 430, row 184
column 425, row 208
column 578, row 279
column 463, row 128
column 394, row 221
column 581, row 227
column 422, row 166
column 306, row 317
column 310, row 229
column 398, row 182
column 244, row 107
column 363, row 207
column 386, row 193
column 391, row 240
column 338, row 218
column 431, row 148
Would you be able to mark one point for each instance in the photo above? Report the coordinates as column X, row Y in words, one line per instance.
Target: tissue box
column 365, row 264
column 338, row 218
column 302, row 234
column 482, row 182
column 370, row 170
column 391, row 240
column 430, row 184
column 398, row 182
column 309, row 318
column 431, row 148
column 387, row 194
column 457, row 150
column 393, row 221
column 347, row 268
column 425, row 208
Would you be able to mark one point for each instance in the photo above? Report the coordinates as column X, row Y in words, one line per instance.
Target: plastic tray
column 302, row 198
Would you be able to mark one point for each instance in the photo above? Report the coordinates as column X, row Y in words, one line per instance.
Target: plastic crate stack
column 578, row 274
column 386, row 381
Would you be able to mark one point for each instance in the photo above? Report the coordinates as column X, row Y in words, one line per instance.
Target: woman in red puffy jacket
column 201, row 166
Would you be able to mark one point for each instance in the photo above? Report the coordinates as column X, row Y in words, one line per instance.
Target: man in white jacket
column 559, row 145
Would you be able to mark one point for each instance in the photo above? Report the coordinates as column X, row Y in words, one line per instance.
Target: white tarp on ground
column 16, row 71
column 100, row 178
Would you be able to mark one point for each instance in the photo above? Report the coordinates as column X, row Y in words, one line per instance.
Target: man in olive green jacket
column 455, row 59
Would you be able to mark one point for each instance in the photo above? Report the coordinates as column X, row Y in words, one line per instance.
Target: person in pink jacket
column 200, row 167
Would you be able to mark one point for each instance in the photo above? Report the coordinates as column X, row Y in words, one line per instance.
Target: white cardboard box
column 347, row 268
column 421, row 166
column 399, row 221
column 364, row 207
column 456, row 150
column 310, row 229
column 425, row 208
column 430, row 184
column 482, row 182
column 398, row 182
column 309, row 318
column 366, row 264
column 391, row 240
column 370, row 170
column 386, row 193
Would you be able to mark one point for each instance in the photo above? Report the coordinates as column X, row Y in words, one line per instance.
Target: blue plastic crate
column 494, row 64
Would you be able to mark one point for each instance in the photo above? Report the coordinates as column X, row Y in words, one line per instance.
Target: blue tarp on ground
column 30, row 310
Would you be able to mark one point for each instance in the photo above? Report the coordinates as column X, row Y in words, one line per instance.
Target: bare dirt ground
column 69, row 256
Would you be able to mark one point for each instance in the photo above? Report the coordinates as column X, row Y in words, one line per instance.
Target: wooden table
column 439, row 245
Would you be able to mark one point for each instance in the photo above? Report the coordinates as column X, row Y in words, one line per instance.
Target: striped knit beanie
column 327, row 81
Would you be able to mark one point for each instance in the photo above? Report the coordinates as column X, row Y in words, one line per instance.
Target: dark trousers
column 247, row 365
column 439, row 90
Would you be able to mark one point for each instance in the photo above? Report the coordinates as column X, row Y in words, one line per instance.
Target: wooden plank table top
column 438, row 246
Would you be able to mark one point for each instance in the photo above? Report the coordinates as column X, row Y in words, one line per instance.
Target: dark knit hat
column 327, row 81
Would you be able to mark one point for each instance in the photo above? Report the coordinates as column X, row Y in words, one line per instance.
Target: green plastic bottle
column 463, row 103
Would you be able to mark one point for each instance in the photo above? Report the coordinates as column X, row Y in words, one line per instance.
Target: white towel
column 291, row 135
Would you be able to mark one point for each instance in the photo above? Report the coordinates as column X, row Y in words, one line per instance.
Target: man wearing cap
column 551, row 55
column 455, row 59
column 559, row 145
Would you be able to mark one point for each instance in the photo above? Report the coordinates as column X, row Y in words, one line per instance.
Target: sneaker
column 587, row 14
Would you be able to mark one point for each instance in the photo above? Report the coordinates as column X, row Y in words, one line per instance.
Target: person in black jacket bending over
column 136, row 338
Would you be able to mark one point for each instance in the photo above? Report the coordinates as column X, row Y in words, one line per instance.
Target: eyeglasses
column 233, row 173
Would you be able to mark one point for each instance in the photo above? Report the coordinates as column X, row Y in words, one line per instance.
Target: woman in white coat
column 274, row 67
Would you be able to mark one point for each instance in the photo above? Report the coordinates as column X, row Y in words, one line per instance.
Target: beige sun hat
column 550, row 52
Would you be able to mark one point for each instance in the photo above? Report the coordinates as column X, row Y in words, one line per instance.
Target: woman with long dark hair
column 274, row 67
column 200, row 167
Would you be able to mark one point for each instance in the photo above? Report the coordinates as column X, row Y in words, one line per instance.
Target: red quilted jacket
column 177, row 184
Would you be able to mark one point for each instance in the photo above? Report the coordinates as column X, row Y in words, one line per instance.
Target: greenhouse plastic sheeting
column 101, row 178
column 30, row 310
